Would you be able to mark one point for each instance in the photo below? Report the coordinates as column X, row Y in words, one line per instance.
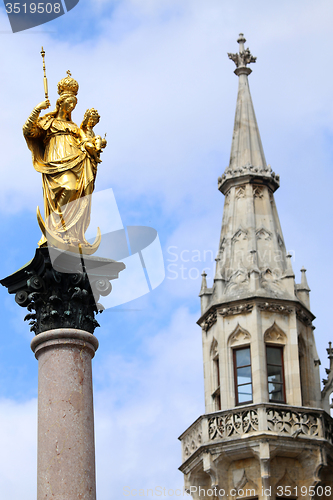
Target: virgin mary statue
column 67, row 157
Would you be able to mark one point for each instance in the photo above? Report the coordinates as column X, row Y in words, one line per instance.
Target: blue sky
column 158, row 72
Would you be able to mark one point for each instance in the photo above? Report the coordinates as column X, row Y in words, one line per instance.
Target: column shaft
column 66, row 450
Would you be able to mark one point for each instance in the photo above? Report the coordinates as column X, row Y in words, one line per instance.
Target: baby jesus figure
column 92, row 143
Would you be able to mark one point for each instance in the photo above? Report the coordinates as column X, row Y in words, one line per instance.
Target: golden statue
column 67, row 157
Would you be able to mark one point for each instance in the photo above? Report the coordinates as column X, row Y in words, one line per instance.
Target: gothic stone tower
column 267, row 432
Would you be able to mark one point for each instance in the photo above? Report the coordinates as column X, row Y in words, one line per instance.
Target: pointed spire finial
column 203, row 283
column 330, row 357
column 243, row 58
column 289, row 257
column 241, row 40
column 304, row 281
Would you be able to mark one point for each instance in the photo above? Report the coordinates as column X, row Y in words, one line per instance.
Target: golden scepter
column 45, row 79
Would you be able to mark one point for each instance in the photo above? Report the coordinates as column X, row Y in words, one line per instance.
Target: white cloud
column 18, row 440
column 145, row 403
column 142, row 404
column 166, row 91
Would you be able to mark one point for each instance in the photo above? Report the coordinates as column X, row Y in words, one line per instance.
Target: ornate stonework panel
column 263, row 234
column 274, row 307
column 292, row 423
column 258, row 191
column 233, row 424
column 275, row 334
column 239, row 235
column 328, row 430
column 274, row 421
column 238, row 280
column 239, row 336
column 209, row 321
column 269, row 281
column 192, row 441
column 238, row 309
column 240, row 192
column 265, row 171
column 304, row 317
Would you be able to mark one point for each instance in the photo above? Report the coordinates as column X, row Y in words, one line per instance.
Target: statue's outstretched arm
column 30, row 127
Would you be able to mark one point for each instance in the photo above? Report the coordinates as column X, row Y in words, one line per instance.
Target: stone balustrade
column 269, row 419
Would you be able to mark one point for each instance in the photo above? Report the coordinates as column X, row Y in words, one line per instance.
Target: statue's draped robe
column 68, row 173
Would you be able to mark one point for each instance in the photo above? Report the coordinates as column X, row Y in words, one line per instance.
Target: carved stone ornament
column 240, row 192
column 209, row 321
column 275, row 334
column 264, row 422
column 238, row 309
column 263, row 234
column 242, row 59
column 274, row 307
column 270, row 282
column 240, row 234
column 303, row 316
column 233, row 424
column 192, row 440
column 292, row 423
column 258, row 192
column 239, row 280
column 249, row 169
column 239, row 336
column 328, row 429
column 244, row 56
column 62, row 291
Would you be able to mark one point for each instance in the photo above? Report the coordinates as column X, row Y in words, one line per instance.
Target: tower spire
column 261, row 367
column 247, row 154
column 252, row 255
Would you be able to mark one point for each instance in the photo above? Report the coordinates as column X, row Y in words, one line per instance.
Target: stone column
column 61, row 291
column 66, row 450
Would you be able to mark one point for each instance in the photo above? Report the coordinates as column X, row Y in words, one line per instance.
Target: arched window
column 243, row 375
column 303, row 372
column 216, row 395
column 239, row 341
column 275, row 374
column 275, row 339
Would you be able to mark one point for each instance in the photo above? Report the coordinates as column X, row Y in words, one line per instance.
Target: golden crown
column 68, row 85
